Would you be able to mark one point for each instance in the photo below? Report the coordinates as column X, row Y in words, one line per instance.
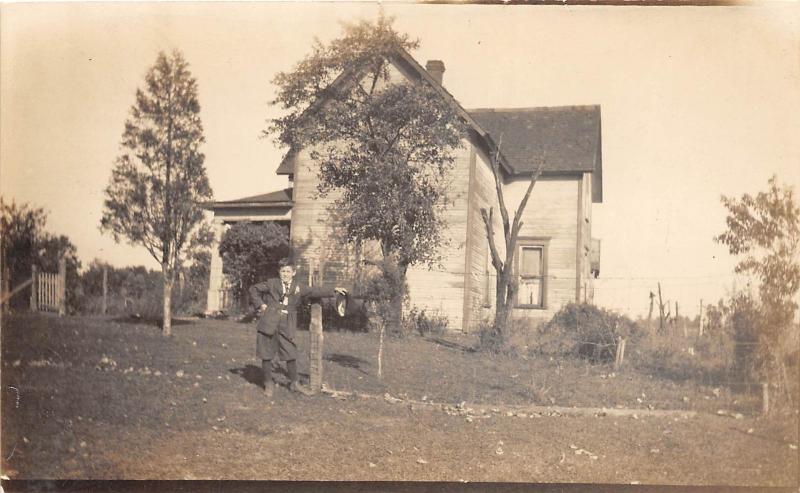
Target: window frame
column 538, row 243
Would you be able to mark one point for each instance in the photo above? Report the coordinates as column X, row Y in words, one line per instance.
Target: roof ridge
column 533, row 108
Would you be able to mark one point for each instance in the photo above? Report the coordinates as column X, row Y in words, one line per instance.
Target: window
column 531, row 269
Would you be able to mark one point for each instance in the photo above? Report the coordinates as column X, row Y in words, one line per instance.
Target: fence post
column 6, row 288
column 34, row 289
column 315, row 348
column 620, row 356
column 105, row 289
column 62, row 286
column 764, row 398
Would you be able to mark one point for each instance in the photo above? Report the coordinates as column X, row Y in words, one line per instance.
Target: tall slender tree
column 385, row 144
column 159, row 180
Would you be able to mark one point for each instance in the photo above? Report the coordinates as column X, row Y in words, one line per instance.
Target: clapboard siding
column 442, row 288
column 481, row 284
column 314, row 234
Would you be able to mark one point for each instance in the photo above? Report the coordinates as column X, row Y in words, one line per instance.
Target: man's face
column 287, row 273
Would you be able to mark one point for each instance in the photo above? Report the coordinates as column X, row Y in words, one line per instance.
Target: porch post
column 215, row 276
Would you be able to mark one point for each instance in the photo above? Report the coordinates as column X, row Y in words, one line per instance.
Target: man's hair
column 286, row 262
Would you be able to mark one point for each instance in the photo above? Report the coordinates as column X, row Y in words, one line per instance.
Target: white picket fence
column 49, row 290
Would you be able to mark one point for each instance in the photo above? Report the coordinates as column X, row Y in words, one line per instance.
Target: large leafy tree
column 383, row 143
column 159, row 180
column 765, row 231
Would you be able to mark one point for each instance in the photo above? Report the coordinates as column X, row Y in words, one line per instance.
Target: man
column 277, row 300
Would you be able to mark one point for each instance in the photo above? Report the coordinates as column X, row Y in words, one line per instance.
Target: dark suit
column 277, row 324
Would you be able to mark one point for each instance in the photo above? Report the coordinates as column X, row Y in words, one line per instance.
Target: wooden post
column 700, row 329
column 620, row 356
column 62, row 286
column 6, row 288
column 764, row 398
column 105, row 289
column 34, row 288
column 315, row 348
column 660, row 311
column 650, row 312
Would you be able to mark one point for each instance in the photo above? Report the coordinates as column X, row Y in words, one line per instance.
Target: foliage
column 588, row 331
column 159, row 181
column 380, row 289
column 383, row 145
column 25, row 243
column 425, row 322
column 250, row 253
column 765, row 230
column 138, row 291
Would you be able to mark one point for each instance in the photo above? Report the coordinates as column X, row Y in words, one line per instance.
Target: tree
column 765, row 230
column 506, row 283
column 22, row 232
column 25, row 243
column 159, row 180
column 251, row 251
column 384, row 144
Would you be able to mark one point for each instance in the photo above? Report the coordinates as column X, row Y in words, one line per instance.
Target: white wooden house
column 556, row 258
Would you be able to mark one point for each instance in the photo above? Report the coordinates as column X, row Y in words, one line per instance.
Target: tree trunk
column 167, row 324
column 396, row 302
column 504, row 297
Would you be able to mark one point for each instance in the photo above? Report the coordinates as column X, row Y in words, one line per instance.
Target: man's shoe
column 300, row 389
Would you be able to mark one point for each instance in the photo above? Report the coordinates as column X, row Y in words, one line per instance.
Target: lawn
column 99, row 398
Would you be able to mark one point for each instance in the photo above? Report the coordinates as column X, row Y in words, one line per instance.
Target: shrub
column 379, row 289
column 425, row 323
column 521, row 335
column 587, row 331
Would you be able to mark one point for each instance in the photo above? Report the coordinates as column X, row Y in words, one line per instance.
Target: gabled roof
column 567, row 137
column 404, row 59
column 278, row 198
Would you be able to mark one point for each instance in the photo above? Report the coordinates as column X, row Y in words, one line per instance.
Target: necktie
column 285, row 294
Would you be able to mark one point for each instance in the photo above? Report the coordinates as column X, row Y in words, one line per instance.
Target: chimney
column 436, row 69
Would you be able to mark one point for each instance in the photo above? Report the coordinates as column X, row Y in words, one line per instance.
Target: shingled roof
column 567, row 137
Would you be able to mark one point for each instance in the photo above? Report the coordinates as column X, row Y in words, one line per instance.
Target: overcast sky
column 696, row 102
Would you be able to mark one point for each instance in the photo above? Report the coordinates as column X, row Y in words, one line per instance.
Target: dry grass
column 92, row 406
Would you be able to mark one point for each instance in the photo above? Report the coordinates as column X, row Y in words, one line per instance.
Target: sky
column 696, row 102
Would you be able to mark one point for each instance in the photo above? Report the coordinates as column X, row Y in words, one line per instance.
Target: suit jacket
column 271, row 293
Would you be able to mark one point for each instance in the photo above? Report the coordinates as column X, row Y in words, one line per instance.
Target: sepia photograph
column 459, row 244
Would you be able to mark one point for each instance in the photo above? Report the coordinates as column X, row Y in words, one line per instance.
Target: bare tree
column 506, row 285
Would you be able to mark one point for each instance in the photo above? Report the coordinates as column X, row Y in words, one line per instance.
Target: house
column 556, row 258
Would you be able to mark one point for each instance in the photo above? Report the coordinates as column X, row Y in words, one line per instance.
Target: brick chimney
column 436, row 69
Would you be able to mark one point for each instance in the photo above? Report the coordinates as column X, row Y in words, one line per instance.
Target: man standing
column 277, row 300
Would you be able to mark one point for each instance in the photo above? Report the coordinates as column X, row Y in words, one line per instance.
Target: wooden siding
column 481, row 286
column 314, row 233
column 551, row 213
column 442, row 288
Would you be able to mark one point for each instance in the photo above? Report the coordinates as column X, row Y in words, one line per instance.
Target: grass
column 106, row 398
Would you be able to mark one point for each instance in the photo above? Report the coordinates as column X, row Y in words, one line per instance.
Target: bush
column 425, row 323
column 379, row 289
column 521, row 336
column 586, row 331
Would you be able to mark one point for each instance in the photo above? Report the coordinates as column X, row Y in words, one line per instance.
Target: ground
column 99, row 398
